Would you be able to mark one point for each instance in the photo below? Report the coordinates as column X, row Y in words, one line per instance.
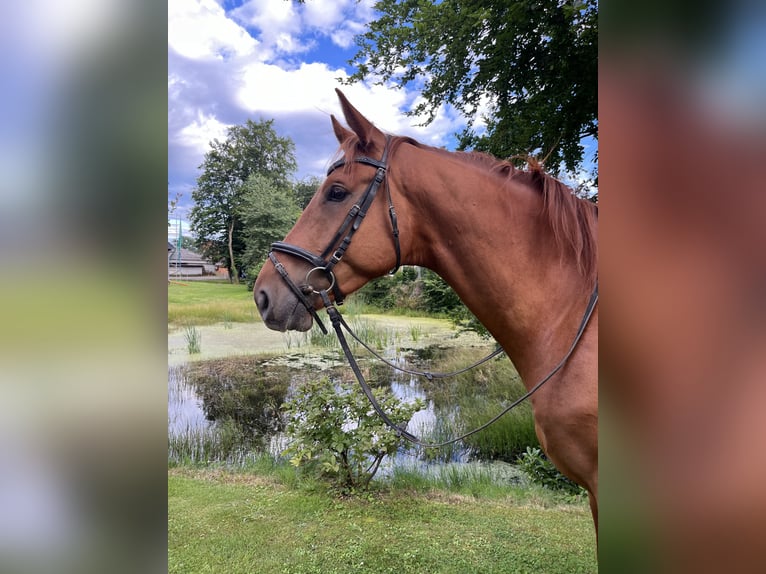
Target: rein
column 325, row 265
column 339, row 324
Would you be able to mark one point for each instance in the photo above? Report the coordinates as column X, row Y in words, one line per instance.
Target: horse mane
column 572, row 220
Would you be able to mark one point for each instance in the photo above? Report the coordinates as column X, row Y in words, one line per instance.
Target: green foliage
column 438, row 297
column 268, row 210
column 305, row 189
column 414, row 289
column 533, row 63
column 541, row 471
column 252, row 148
column 503, row 440
column 400, row 291
column 470, row 399
column 225, row 442
column 335, row 431
column 421, row 291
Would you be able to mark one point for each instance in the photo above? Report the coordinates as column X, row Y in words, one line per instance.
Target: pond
column 225, row 408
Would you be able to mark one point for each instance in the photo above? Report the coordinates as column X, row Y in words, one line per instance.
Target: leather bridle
column 340, row 242
column 337, row 247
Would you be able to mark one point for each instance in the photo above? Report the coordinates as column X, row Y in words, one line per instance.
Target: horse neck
column 488, row 240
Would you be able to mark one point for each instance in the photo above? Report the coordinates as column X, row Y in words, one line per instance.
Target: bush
column 541, row 471
column 438, row 297
column 335, row 431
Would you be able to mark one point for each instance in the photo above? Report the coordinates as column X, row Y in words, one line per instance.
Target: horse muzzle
column 280, row 309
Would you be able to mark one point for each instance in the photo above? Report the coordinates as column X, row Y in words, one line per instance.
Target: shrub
column 541, row 471
column 438, row 297
column 334, row 430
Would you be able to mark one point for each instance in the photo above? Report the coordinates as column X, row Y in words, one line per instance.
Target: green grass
column 229, row 523
column 207, row 302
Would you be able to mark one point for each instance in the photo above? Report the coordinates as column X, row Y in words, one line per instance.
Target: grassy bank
column 229, row 523
column 261, row 516
column 208, row 302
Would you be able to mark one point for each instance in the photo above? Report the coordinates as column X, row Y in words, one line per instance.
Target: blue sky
column 273, row 59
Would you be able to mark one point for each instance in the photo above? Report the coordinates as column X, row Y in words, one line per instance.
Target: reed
column 507, row 438
column 224, row 442
column 469, row 400
column 193, row 339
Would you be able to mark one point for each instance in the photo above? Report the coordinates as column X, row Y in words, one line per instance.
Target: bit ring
column 326, row 272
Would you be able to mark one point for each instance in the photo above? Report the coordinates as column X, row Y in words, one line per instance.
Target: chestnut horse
column 516, row 245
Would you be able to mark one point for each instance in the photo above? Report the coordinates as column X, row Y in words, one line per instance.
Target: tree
column 532, row 62
column 252, row 148
column 268, row 210
column 304, row 190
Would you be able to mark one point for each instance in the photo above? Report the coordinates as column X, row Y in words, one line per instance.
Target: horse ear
column 362, row 127
column 340, row 132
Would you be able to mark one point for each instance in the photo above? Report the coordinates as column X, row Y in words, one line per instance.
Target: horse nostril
column 262, row 301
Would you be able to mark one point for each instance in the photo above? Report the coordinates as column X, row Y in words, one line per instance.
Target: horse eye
column 337, row 193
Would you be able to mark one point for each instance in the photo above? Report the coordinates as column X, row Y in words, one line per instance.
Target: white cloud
column 209, row 91
column 271, row 88
column 325, row 14
column 200, row 30
column 311, row 87
column 341, row 20
column 268, row 15
column 277, row 23
column 199, row 133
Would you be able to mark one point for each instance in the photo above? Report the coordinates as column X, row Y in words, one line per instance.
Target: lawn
column 227, row 522
column 207, row 302
column 230, row 523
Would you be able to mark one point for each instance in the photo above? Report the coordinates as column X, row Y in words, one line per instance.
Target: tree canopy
column 216, row 218
column 529, row 66
column 268, row 211
column 305, row 189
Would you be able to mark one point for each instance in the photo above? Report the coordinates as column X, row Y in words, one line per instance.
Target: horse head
column 329, row 250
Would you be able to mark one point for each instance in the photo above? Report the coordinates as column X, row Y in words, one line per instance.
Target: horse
column 516, row 245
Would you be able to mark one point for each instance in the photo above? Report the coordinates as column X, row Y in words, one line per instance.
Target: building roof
column 187, row 257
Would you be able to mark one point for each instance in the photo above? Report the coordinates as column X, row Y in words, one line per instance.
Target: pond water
column 195, row 403
column 188, row 413
column 185, row 410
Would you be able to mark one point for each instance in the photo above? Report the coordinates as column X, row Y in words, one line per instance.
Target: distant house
column 187, row 263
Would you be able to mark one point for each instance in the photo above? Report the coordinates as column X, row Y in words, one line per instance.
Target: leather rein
column 324, row 265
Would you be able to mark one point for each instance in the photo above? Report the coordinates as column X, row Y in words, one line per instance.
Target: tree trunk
column 233, row 273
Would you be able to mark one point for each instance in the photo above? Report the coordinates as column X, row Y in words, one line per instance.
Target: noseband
column 342, row 238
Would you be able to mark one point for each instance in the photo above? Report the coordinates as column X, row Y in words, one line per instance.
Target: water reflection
column 239, row 400
column 184, row 405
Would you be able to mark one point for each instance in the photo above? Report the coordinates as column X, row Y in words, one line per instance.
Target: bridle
column 349, row 227
column 326, row 265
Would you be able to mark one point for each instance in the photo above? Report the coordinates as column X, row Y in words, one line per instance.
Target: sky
column 274, row 59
